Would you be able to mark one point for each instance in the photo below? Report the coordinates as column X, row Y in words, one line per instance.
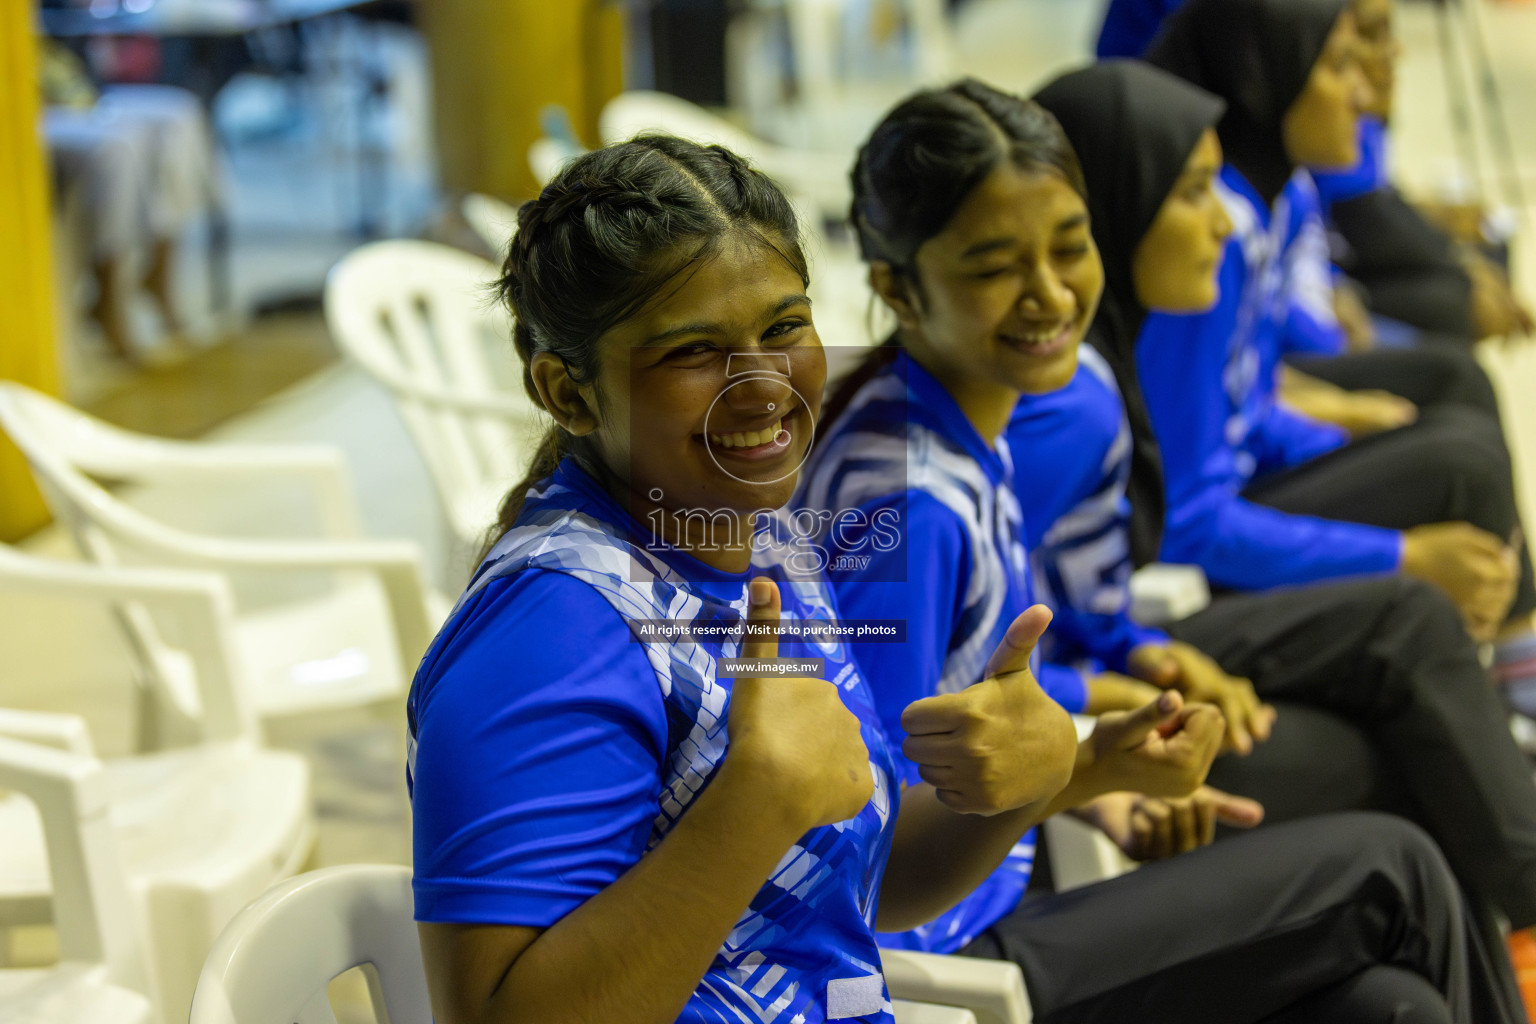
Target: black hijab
column 1133, row 128
column 1256, row 55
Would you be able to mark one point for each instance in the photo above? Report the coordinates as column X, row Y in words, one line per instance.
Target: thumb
column 1237, row 811
column 1133, row 727
column 1012, row 654
column 761, row 643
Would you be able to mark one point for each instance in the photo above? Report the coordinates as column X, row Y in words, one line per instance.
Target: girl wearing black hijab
column 1382, row 700
column 1434, row 500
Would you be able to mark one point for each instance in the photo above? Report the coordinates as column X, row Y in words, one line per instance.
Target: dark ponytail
column 601, row 241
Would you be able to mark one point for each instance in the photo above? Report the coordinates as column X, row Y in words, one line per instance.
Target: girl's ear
column 896, row 291
column 561, row 395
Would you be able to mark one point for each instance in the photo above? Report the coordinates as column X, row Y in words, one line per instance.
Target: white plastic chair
column 1164, row 592
column 546, row 156
column 349, row 647
column 1081, row 854
column 274, row 962
column 201, row 829
column 418, row 318
column 494, row 220
column 991, row 990
column 102, row 973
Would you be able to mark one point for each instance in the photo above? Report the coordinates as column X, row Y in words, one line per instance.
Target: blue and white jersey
column 1072, row 455
column 957, row 575
column 1310, row 324
column 554, row 742
column 1209, row 386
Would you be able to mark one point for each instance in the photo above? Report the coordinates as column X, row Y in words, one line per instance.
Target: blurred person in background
column 138, row 161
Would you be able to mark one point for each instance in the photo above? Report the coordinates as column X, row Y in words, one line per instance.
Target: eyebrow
column 993, row 244
column 707, row 327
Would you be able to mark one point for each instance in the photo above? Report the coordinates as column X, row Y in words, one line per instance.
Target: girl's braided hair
column 603, row 239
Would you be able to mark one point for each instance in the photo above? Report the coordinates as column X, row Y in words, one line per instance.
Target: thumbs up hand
column 792, row 740
column 1001, row 743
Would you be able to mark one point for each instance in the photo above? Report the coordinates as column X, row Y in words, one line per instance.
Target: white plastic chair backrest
column 62, row 445
column 217, row 706
column 93, row 911
column 274, row 961
column 494, row 220
column 413, row 312
column 546, row 156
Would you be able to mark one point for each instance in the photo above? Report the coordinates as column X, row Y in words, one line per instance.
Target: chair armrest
column 48, row 729
column 92, row 910
column 509, row 407
column 397, row 563
column 991, row 989
column 1163, row 593
column 321, row 467
column 929, row 1013
column 201, row 599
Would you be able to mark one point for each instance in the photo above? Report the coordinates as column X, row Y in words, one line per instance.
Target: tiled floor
column 68, row 659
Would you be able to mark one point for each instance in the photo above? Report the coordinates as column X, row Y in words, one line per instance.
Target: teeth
column 748, row 438
column 1040, row 337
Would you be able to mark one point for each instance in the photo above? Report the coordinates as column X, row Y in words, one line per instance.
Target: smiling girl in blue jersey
column 969, row 207
column 608, row 827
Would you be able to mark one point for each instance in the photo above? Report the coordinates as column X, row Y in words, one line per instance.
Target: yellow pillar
column 27, row 351
column 497, row 63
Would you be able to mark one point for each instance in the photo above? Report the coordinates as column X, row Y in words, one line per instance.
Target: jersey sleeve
column 1284, row 438
column 1246, row 546
column 539, row 735
column 921, row 580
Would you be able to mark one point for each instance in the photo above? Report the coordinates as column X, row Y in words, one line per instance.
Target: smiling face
column 1175, row 266
column 1320, row 127
column 1005, row 292
column 710, row 393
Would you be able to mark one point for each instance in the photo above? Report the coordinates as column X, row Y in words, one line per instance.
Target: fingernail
column 761, row 592
column 1165, row 702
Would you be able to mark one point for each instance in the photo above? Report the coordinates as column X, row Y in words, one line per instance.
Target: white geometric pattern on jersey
column 923, row 460
column 1263, row 292
column 861, row 464
column 643, row 587
column 1307, row 266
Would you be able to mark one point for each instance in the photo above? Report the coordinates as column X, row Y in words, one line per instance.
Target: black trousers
column 1451, row 465
column 1345, row 917
column 1428, row 377
column 1382, row 704
column 1407, row 265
